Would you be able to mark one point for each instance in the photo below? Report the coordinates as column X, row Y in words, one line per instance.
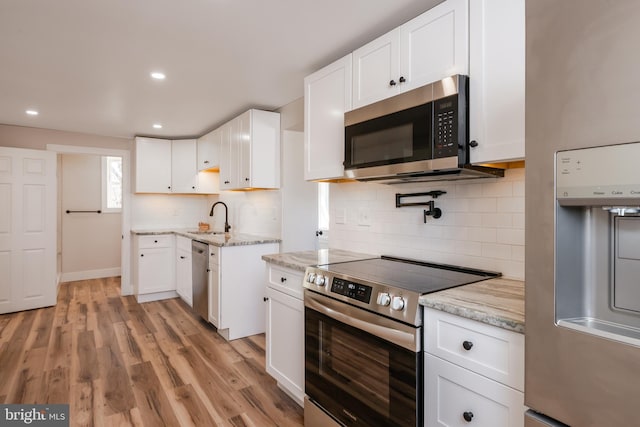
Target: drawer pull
column 467, row 346
column 468, row 416
column 182, row 257
column 265, row 299
column 283, row 279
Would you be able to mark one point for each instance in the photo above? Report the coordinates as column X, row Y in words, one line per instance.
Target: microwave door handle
column 394, row 332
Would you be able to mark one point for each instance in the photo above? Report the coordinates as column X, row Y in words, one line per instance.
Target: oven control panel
column 388, row 301
column 352, row 290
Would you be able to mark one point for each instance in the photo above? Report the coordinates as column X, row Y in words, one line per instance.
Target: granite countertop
column 301, row 260
column 217, row 239
column 498, row 302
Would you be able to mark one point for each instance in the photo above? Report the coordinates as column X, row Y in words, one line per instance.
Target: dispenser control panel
column 598, row 175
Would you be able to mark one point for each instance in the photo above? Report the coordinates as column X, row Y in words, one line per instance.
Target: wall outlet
column 364, row 217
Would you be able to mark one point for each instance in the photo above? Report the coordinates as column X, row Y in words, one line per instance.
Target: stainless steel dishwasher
column 200, row 270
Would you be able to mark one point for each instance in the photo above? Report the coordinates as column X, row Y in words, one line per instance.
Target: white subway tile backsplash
column 496, row 250
column 482, row 223
column 485, row 204
column 511, row 204
column 497, row 189
column 510, row 236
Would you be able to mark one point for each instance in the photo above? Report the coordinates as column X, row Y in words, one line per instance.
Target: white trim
column 126, row 284
column 90, row 274
column 156, row 296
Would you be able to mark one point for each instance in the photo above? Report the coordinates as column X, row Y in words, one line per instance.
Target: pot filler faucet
column 227, row 227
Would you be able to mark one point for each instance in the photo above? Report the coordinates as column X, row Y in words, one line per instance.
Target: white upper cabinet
column 250, row 151
column 435, row 45
column 497, row 79
column 208, row 148
column 327, row 95
column 376, row 70
column 184, row 171
column 165, row 166
column 430, row 47
column 153, row 165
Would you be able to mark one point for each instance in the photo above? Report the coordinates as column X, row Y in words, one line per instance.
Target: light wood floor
column 119, row 363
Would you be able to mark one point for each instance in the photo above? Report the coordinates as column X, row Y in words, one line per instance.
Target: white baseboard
column 90, row 274
column 156, row 296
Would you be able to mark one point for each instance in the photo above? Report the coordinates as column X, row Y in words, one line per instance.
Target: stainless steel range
column 363, row 339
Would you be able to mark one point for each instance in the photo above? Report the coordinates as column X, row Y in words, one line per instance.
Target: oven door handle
column 389, row 330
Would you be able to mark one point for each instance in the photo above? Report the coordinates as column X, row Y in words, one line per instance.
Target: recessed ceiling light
column 32, row 112
column 157, row 125
column 158, row 75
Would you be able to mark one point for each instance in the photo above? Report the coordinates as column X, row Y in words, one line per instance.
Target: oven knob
column 384, row 299
column 397, row 303
column 311, row 278
column 320, row 280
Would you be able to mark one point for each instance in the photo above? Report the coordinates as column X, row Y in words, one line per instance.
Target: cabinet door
column 243, row 141
column 376, row 70
column 496, row 79
column 434, row 45
column 184, row 170
column 327, row 96
column 285, row 341
column 457, row 397
column 208, row 146
column 215, row 293
column 153, row 165
column 184, row 283
column 227, row 168
column 155, row 270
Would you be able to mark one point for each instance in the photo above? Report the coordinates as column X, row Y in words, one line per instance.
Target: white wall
column 251, row 212
column 153, row 211
column 37, row 139
column 90, row 242
column 482, row 225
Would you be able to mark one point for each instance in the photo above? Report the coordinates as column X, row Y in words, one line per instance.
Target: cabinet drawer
column 457, row 397
column 183, row 243
column 488, row 350
column 156, row 241
column 286, row 280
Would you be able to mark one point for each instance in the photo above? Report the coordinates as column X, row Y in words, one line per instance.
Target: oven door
column 363, row 369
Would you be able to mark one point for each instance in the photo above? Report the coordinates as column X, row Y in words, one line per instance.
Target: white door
column 27, row 229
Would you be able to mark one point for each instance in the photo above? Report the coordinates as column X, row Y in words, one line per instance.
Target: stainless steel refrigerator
column 582, row 348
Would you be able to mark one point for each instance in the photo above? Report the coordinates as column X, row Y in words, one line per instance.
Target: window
column 111, row 184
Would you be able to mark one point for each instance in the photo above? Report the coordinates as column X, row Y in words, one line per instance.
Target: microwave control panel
column 445, row 123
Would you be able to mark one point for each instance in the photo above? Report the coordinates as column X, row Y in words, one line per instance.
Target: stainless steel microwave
column 419, row 135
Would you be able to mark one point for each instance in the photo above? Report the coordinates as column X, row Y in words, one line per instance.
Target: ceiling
column 85, row 65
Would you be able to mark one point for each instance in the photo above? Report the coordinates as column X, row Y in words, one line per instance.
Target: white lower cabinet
column 285, row 329
column 154, row 265
column 456, row 397
column 474, row 373
column 285, row 342
column 184, row 274
column 236, row 289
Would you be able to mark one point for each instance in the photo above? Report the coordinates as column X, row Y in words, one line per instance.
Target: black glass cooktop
column 410, row 275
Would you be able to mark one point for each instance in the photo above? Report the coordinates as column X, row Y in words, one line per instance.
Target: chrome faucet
column 227, row 227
